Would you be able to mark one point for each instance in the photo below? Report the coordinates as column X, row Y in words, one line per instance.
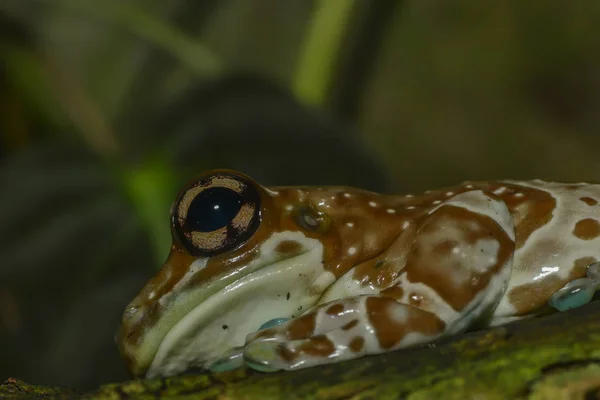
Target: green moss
column 14, row 389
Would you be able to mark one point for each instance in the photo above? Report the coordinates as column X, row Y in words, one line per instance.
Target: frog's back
column 557, row 229
column 557, row 235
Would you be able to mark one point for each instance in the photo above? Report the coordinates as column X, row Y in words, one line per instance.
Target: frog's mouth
column 222, row 320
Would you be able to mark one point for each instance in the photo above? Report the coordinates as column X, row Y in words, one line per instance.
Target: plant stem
column 320, row 50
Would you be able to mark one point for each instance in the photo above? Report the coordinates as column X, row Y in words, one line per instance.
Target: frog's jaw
column 223, row 320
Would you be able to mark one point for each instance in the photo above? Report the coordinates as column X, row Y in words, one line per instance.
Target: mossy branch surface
column 555, row 356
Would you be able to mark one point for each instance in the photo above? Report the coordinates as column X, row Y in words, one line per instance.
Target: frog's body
column 357, row 272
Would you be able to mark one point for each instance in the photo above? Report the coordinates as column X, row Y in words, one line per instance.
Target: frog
column 349, row 273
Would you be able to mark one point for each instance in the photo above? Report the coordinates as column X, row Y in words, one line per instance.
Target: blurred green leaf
column 149, row 27
column 151, row 188
column 320, row 50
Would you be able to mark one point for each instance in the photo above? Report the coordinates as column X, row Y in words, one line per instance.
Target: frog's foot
column 341, row 330
column 577, row 292
column 231, row 360
column 270, row 356
column 234, row 358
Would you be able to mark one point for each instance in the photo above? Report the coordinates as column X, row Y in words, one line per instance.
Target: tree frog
column 348, row 273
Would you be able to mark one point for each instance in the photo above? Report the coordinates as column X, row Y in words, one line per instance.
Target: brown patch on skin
column 390, row 331
column 394, row 292
column 335, row 309
column 289, row 247
column 301, row 327
column 531, row 211
column 589, row 201
column 350, row 325
column 356, row 344
column 445, row 247
column 434, row 269
column 318, row 346
column 534, row 296
column 587, row 229
column 382, row 272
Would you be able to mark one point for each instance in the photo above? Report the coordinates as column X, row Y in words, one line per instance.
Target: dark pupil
column 213, row 209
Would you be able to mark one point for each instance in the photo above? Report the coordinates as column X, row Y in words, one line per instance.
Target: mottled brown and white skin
column 356, row 272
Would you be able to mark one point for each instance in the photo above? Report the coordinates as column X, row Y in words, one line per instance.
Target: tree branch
column 555, row 356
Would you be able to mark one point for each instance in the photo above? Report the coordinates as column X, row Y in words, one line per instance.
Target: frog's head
column 243, row 254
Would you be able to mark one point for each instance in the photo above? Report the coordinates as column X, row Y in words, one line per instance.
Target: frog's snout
column 130, row 320
column 128, row 335
column 131, row 315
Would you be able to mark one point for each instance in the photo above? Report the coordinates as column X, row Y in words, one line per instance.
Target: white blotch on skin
column 398, row 314
column 449, row 193
column 500, row 190
column 469, row 186
column 486, row 258
column 409, row 196
column 324, row 280
column 519, row 195
column 372, row 204
column 546, row 271
column 410, row 207
column 349, row 224
column 151, row 295
column 347, row 195
column 405, row 224
column 289, row 207
column 391, row 211
column 436, row 202
column 352, row 250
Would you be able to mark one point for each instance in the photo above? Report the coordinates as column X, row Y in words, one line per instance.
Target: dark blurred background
column 107, row 107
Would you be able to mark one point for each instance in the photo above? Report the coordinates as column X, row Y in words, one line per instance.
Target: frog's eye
column 216, row 214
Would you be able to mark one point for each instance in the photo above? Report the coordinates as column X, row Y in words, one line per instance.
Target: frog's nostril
column 130, row 312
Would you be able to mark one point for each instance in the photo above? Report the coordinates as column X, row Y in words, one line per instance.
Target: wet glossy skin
column 357, row 272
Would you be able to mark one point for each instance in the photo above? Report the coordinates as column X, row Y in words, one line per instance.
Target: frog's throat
column 223, row 320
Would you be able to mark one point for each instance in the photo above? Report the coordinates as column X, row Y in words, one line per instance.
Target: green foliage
column 151, row 189
column 325, row 33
